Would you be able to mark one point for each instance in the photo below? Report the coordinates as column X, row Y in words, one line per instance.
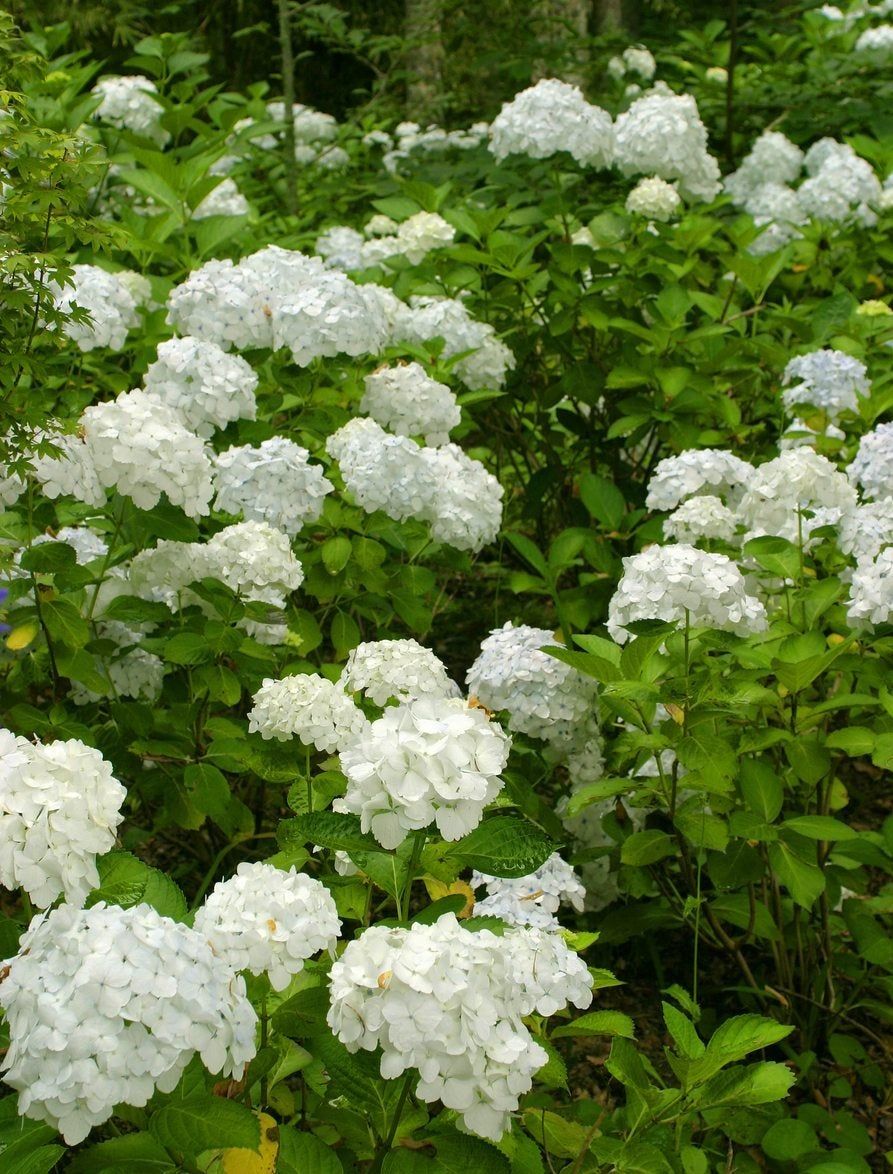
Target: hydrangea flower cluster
column 782, row 489
column 408, row 402
column 431, row 760
column 634, row 59
column 450, row 1003
column 829, row 380
column 272, row 482
column 539, row 693
column 871, row 591
column 223, row 200
column 60, row 806
column 268, row 921
column 277, row 298
column 309, row 707
column 142, row 448
column 773, row 159
column 662, row 134
column 345, row 248
column 130, row 103
column 410, row 138
column 396, row 670
column 71, row 473
column 208, row 387
column 426, row 318
column 86, row 543
column 710, row 471
column 876, row 42
column 872, row 467
column 454, row 494
column 105, row 1005
column 866, row 530
column 699, row 518
column 549, row 117
column 841, row 185
column 131, row 672
column 531, row 900
column 679, row 583
column 654, row 198
column 111, row 303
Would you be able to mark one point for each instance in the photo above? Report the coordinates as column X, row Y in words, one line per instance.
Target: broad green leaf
column 603, row 500
column 647, row 847
column 336, row 553
column 302, row 1153
column 203, row 1122
column 328, row 829
column 139, row 1152
column 597, row 1023
column 48, row 557
column 788, row 1139
column 803, row 879
column 504, row 845
column 560, row 1137
column 761, row 789
column 733, row 1040
column 688, row 1042
column 126, row 881
column 820, row 827
column 530, row 552
column 65, row 623
column 749, row 1084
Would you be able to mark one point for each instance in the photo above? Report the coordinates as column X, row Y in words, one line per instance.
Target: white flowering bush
column 445, row 562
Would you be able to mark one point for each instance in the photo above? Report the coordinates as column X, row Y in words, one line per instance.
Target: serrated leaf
column 597, row 1023
column 302, row 1153
column 820, row 827
column 65, row 623
column 646, row 847
column 504, row 845
column 126, row 881
column 328, row 829
column 205, row 1122
column 137, row 1152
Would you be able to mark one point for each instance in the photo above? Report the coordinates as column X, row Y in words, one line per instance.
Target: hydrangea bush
column 440, row 623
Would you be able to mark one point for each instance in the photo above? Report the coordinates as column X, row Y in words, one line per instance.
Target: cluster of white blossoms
column 86, row 543
column 268, row 921
column 827, row 379
column 710, row 471
column 208, row 387
column 872, row 467
column 408, row 402
column 866, row 530
column 773, row 159
column 662, row 134
column 309, row 707
column 531, row 900
column 131, row 671
column 130, row 103
column 105, row 1005
column 279, row 298
column 142, row 448
column 539, row 693
column 776, row 209
column 682, row 584
column 409, row 139
column 434, row 759
column 223, row 200
column 699, row 518
column 72, row 472
column 655, row 198
column 60, row 807
column 450, row 1003
column 396, row 670
column 781, row 490
column 345, row 248
column 549, row 117
column 635, row 59
column 876, row 42
column 871, row 591
column 111, row 302
column 841, row 186
column 426, row 318
column 454, row 494
column 272, row 482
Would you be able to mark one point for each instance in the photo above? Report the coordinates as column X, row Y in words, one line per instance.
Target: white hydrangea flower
column 381, row 471
column 421, row 234
column 709, row 471
column 654, row 198
column 129, row 103
column 871, row 591
column 256, row 561
column 72, row 473
column 162, row 573
column 530, row 900
column 268, row 921
column 141, row 448
column 104, row 1005
column 11, row 487
column 273, row 482
column 866, row 530
column 662, row 134
column 396, row 670
column 776, row 208
column 86, row 543
column 678, row 581
column 342, row 247
column 876, row 42
column 639, row 60
column 106, row 298
column 553, row 116
column 132, row 672
column 699, row 518
column 221, row 302
column 309, row 707
column 773, row 159
column 872, row 467
column 827, row 379
column 60, row 806
column 841, row 186
column 311, row 126
column 799, row 433
column 224, row 200
column 434, row 759
column 208, row 387
column 466, row 500
column 426, row 318
column 538, row 692
column 449, row 1003
column 781, row 489
column 406, row 400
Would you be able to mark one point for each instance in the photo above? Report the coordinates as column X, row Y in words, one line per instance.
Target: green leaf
column 688, row 1042
column 854, row 741
column 219, row 682
column 126, row 881
column 328, row 829
column 803, row 879
column 749, row 1084
column 208, row 790
column 34, row 1161
column 302, row 1153
column 703, row 829
column 776, row 555
column 356, row 1077
column 48, row 557
column 646, row 847
column 65, row 623
column 603, row 500
column 788, row 1139
column 446, row 1152
column 761, row 789
column 733, row 1040
column 131, row 610
column 187, row 648
column 562, row 1138
column 504, row 845
column 597, row 1023
column 203, row 1122
column 530, row 552
column 336, row 553
column 137, row 1152
column 820, row 827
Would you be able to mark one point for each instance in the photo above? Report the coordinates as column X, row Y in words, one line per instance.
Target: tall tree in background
column 562, row 28
column 608, row 16
column 424, row 60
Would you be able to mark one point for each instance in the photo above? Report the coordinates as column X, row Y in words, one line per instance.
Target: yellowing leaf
column 676, row 712
column 20, row 638
column 437, row 889
column 238, row 1161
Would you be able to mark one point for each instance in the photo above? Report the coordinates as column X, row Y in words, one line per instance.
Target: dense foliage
column 447, row 583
